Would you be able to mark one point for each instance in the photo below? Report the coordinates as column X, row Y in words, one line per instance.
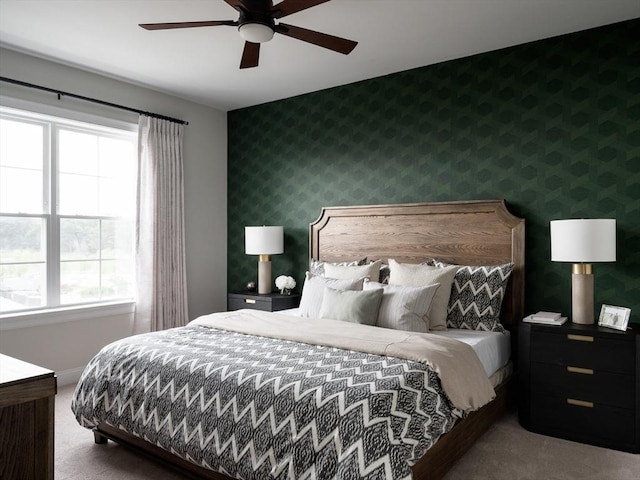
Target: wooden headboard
column 480, row 232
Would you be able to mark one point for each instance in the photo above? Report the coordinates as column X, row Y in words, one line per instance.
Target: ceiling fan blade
column 237, row 4
column 165, row 26
column 250, row 55
column 287, row 7
column 337, row 44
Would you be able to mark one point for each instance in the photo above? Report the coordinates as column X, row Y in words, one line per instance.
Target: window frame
column 53, row 312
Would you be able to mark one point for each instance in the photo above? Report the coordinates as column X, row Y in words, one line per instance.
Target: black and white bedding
column 254, row 407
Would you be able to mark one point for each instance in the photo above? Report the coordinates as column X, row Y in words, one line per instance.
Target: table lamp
column 264, row 241
column 581, row 242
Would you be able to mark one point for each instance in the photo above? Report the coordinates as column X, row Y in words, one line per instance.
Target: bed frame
column 470, row 233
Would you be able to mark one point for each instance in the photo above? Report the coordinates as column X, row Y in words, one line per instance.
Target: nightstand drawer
column 605, row 388
column 573, row 419
column 583, row 350
column 268, row 302
column 239, row 302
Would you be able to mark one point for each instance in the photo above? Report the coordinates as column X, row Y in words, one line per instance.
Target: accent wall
column 551, row 126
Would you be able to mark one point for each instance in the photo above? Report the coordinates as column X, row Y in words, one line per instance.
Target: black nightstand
column 581, row 383
column 269, row 302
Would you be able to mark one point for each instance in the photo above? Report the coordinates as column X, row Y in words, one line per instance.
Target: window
column 67, row 207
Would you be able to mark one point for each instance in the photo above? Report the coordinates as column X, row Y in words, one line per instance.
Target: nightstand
column 581, row 383
column 268, row 302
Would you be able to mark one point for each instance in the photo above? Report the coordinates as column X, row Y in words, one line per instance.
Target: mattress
column 493, row 348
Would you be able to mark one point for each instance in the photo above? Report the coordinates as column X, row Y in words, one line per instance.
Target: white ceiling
column 201, row 64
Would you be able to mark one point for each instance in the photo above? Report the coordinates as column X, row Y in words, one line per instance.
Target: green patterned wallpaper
column 551, row 126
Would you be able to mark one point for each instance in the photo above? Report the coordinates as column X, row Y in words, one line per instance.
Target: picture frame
column 614, row 317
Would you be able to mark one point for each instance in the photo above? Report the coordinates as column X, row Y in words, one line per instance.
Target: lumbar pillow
column 313, row 292
column 476, row 296
column 402, row 307
column 351, row 306
column 420, row 275
column 370, row 271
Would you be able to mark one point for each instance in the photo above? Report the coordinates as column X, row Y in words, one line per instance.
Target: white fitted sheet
column 493, row 348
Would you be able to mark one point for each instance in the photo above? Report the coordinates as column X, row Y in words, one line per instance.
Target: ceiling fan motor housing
column 256, row 26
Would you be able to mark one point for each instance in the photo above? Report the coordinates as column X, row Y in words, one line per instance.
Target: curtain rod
column 60, row 93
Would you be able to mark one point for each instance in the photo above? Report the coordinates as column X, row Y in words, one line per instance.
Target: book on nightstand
column 546, row 318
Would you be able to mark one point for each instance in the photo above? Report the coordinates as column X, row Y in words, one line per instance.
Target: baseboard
column 69, row 377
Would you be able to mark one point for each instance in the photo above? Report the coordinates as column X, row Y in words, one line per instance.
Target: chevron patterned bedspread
column 256, row 408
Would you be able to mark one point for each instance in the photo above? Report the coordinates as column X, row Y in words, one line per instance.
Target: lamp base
column 582, row 294
column 264, row 274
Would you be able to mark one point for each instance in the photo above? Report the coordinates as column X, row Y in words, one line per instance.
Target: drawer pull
column 579, row 403
column 586, row 371
column 580, row 338
column 249, row 300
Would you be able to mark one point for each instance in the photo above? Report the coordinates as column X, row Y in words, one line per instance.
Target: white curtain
column 161, row 301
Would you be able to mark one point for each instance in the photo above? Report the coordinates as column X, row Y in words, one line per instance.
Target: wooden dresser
column 581, row 382
column 27, row 396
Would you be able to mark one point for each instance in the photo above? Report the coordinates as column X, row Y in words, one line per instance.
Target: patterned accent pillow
column 316, row 267
column 385, row 271
column 404, row 308
column 476, row 296
column 313, row 292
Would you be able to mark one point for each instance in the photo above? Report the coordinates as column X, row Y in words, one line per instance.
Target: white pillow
column 313, row 291
column 370, row 271
column 404, row 307
column 412, row 274
column 351, row 306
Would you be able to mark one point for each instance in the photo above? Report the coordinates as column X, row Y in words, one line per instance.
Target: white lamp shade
column 263, row 240
column 583, row 240
column 255, row 32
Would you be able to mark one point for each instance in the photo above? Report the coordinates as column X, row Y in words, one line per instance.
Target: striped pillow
column 420, row 275
column 404, row 307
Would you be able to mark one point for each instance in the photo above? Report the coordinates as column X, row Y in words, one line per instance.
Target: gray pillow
column 313, row 292
column 351, row 306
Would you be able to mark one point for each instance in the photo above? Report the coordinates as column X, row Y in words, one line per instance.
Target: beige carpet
column 506, row 451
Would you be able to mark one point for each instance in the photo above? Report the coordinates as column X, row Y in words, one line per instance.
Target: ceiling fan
column 257, row 24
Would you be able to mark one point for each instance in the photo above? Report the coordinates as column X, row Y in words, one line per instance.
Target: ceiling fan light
column 255, row 32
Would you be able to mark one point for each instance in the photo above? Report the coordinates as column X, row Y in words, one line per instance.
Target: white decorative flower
column 285, row 284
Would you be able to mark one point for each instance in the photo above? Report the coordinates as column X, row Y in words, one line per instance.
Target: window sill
column 66, row 314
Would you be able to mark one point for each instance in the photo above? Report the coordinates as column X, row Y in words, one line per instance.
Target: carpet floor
column 506, row 451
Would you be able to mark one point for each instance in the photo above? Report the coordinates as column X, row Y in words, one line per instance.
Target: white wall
column 66, row 347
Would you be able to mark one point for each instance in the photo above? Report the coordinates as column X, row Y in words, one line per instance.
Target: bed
column 472, row 233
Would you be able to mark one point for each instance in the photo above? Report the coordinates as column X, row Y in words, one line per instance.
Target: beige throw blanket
column 462, row 376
